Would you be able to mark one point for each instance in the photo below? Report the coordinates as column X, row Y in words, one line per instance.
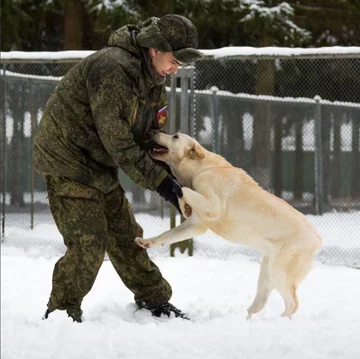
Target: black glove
column 170, row 190
column 148, row 145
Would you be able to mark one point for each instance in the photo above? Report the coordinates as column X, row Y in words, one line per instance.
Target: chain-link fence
column 25, row 88
column 291, row 122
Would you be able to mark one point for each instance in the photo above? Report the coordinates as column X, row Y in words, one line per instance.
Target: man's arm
column 114, row 105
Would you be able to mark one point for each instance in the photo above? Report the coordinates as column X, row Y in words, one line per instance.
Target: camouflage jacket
column 100, row 115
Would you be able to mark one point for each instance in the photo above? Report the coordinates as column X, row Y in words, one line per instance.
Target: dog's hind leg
column 264, row 288
column 188, row 229
column 298, row 267
column 284, row 283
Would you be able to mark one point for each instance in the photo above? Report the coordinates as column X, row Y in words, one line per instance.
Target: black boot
column 75, row 314
column 46, row 315
column 165, row 309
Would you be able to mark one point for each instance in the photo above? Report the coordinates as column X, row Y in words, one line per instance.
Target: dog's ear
column 195, row 152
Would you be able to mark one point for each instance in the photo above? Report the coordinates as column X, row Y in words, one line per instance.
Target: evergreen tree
column 13, row 19
column 271, row 24
column 331, row 22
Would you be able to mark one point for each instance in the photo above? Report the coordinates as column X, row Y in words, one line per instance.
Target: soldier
column 102, row 116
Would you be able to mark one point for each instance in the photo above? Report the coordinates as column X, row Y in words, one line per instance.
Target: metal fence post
column 32, row 174
column 186, row 115
column 215, row 105
column 191, row 75
column 172, row 129
column 3, row 158
column 184, row 103
column 172, row 105
column 318, row 158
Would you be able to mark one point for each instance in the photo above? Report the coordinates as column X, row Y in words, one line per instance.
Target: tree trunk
column 165, row 7
column 73, row 24
column 232, row 132
column 265, row 82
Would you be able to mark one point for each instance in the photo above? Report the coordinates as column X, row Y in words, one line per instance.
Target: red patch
column 162, row 116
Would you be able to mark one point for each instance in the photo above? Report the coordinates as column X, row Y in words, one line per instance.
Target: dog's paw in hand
column 187, row 211
column 143, row 242
column 185, row 208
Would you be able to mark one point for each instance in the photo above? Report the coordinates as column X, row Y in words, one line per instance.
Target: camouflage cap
column 171, row 33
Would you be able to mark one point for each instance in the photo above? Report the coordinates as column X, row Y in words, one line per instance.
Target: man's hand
column 170, row 190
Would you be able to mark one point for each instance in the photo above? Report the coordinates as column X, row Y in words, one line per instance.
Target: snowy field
column 214, row 288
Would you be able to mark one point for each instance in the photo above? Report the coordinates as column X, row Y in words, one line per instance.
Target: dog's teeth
column 160, row 150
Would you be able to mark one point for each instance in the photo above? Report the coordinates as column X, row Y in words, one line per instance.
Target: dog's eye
column 175, row 137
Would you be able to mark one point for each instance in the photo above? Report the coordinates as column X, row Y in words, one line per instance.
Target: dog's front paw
column 143, row 242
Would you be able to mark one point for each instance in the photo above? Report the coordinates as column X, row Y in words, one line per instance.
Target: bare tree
column 73, row 24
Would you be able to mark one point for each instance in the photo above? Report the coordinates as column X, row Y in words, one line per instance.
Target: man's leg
column 130, row 261
column 78, row 211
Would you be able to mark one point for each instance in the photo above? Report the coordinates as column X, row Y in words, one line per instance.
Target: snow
column 29, row 76
column 272, row 51
column 305, row 100
column 214, row 292
column 109, row 3
column 230, row 51
column 45, row 55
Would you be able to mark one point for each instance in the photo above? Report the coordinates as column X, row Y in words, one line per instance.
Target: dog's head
column 173, row 149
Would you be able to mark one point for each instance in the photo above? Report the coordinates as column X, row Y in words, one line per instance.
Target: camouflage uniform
column 92, row 222
column 101, row 116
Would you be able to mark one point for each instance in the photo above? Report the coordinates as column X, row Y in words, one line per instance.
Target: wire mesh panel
column 292, row 123
column 25, row 89
column 25, row 98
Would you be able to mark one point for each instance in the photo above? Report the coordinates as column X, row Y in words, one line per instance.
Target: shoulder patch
column 162, row 116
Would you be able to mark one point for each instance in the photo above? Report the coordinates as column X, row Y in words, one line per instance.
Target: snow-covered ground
column 214, row 291
column 340, row 233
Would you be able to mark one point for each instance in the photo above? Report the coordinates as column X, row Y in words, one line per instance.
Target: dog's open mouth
column 159, row 150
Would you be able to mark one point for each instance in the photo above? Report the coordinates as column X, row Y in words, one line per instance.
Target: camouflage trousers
column 92, row 224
